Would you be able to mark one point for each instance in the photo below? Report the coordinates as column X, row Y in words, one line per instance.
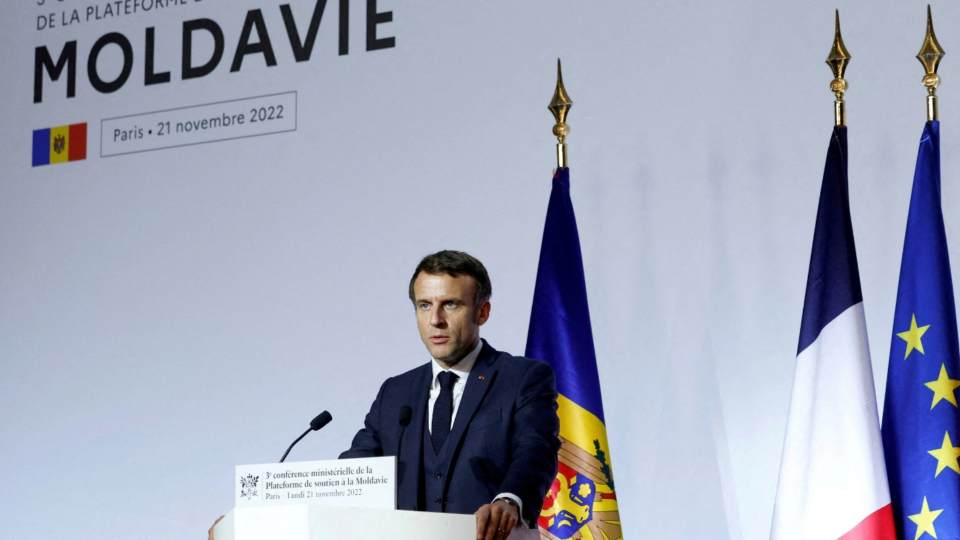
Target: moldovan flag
column 833, row 482
column 581, row 502
column 59, row 144
column 921, row 421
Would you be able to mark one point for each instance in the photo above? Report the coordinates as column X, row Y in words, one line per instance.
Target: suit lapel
column 478, row 384
column 412, row 440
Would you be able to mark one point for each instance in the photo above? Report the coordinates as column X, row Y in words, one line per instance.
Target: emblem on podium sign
column 248, row 486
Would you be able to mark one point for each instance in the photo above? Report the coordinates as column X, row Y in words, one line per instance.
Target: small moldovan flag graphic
column 59, row 144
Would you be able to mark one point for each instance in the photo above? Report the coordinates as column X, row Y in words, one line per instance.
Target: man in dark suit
column 482, row 436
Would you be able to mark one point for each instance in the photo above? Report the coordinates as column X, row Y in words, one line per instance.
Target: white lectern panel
column 311, row 522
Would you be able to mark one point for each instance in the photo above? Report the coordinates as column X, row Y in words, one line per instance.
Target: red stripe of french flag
column 877, row 525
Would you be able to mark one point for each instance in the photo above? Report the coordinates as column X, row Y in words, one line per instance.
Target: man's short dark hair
column 455, row 263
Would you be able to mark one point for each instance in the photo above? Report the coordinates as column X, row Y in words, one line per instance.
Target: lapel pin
column 481, row 377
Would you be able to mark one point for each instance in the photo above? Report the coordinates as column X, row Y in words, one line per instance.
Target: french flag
column 833, row 481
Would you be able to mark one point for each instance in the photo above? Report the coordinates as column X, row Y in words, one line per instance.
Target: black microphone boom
column 406, row 413
column 321, row 420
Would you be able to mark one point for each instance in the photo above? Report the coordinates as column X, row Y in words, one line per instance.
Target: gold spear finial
column 559, row 106
column 838, row 59
column 930, row 55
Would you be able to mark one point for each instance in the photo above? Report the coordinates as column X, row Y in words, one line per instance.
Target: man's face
column 448, row 321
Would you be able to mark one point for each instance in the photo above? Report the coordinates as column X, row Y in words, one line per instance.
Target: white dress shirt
column 462, row 371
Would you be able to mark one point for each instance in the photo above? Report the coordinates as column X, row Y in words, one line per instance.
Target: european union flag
column 582, row 501
column 921, row 420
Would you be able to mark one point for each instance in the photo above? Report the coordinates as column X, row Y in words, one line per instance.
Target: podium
column 313, row 522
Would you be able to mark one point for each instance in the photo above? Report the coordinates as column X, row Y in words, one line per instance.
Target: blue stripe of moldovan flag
column 41, row 147
column 560, row 332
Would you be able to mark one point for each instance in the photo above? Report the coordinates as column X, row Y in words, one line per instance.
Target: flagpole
column 838, row 59
column 930, row 55
column 559, row 106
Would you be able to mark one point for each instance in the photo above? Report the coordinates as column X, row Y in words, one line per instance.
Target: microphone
column 321, row 420
column 405, row 413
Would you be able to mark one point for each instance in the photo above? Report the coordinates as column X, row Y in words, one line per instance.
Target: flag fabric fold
column 921, row 421
column 582, row 502
column 833, row 483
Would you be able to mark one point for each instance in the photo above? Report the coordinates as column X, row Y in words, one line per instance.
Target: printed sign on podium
column 359, row 483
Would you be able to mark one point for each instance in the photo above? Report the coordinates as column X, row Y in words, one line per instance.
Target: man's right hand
column 495, row 521
column 210, row 533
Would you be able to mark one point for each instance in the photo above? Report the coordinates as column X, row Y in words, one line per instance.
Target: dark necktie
column 443, row 410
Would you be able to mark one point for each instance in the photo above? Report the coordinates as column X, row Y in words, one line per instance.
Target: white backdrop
column 169, row 314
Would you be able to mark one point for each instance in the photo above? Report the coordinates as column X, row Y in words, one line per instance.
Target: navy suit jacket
column 505, row 433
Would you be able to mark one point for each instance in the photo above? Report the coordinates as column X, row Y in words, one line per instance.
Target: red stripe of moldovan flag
column 78, row 142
